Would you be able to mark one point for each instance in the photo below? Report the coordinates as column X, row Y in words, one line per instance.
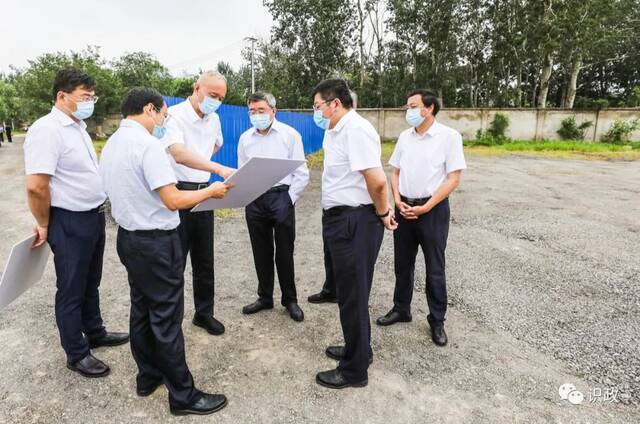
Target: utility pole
column 253, row 74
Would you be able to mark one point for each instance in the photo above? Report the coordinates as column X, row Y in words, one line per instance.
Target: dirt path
column 543, row 282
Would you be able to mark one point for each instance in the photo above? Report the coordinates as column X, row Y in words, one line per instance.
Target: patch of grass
column 99, row 145
column 227, row 213
column 557, row 149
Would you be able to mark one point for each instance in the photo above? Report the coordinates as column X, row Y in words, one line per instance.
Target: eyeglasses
column 93, row 99
column 317, row 107
column 166, row 115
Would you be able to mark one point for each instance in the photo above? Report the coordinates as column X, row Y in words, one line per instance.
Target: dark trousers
column 430, row 232
column 329, row 286
column 353, row 238
column 155, row 266
column 77, row 241
column 196, row 237
column 271, row 219
column 8, row 131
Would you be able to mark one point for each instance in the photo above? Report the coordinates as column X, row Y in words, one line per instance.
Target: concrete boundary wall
column 524, row 124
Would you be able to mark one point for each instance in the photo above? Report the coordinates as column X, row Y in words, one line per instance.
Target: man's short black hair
column 330, row 89
column 68, row 80
column 428, row 98
column 137, row 98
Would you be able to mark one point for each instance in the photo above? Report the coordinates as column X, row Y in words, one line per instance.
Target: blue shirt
column 133, row 165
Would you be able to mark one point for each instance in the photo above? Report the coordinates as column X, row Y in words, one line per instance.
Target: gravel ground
column 543, row 288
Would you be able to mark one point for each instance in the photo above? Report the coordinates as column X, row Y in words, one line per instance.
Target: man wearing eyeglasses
column 193, row 136
column 271, row 217
column 355, row 213
column 144, row 201
column 66, row 198
column 427, row 163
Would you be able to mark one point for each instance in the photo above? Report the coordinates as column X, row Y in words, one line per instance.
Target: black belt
column 278, row 188
column 149, row 233
column 99, row 209
column 186, row 185
column 339, row 210
column 415, row 202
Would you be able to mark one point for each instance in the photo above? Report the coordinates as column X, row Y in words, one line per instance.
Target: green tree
column 140, row 69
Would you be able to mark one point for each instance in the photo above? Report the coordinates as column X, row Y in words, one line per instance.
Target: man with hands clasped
column 427, row 163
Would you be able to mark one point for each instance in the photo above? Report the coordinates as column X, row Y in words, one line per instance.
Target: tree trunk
column 573, row 82
column 361, row 19
column 544, row 81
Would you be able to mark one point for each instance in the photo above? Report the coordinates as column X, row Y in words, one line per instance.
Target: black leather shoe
column 337, row 353
column 148, row 391
column 334, row 379
column 209, row 323
column 295, row 312
column 439, row 336
column 206, row 404
column 89, row 366
column 322, row 297
column 110, row 339
column 257, row 306
column 394, row 316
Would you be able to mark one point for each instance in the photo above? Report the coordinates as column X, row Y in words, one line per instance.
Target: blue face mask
column 84, row 110
column 159, row 131
column 261, row 121
column 209, row 105
column 320, row 120
column 413, row 117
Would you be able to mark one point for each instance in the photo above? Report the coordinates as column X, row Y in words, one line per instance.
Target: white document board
column 253, row 179
column 24, row 269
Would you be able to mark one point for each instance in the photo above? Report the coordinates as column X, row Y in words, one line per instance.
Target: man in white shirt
column 328, row 292
column 144, row 202
column 66, row 198
column 271, row 217
column 193, row 136
column 427, row 164
column 355, row 212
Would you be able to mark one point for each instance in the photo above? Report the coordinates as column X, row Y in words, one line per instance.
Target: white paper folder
column 24, row 269
column 253, row 179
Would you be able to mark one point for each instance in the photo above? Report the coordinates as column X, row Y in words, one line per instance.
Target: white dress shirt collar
column 343, row 121
column 64, row 119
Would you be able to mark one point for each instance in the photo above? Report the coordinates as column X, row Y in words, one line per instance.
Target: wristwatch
column 384, row 215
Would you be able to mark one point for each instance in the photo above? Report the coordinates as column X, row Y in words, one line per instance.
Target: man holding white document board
column 144, row 202
column 193, row 135
column 66, row 198
column 271, row 217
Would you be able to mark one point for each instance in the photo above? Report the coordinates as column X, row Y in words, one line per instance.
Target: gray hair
column 211, row 74
column 354, row 97
column 262, row 96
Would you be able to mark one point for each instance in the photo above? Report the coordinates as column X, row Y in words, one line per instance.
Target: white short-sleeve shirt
column 280, row 142
column 425, row 160
column 133, row 165
column 353, row 145
column 58, row 146
column 199, row 135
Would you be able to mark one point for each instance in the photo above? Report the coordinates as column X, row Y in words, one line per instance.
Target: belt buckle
column 203, row 185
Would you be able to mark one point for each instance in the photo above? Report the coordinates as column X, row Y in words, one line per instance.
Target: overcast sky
column 184, row 35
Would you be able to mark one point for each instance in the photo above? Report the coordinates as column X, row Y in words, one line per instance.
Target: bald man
column 193, row 136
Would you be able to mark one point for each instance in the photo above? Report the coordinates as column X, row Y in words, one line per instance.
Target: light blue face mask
column 260, row 120
column 209, row 105
column 84, row 110
column 413, row 117
column 320, row 120
column 159, row 131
